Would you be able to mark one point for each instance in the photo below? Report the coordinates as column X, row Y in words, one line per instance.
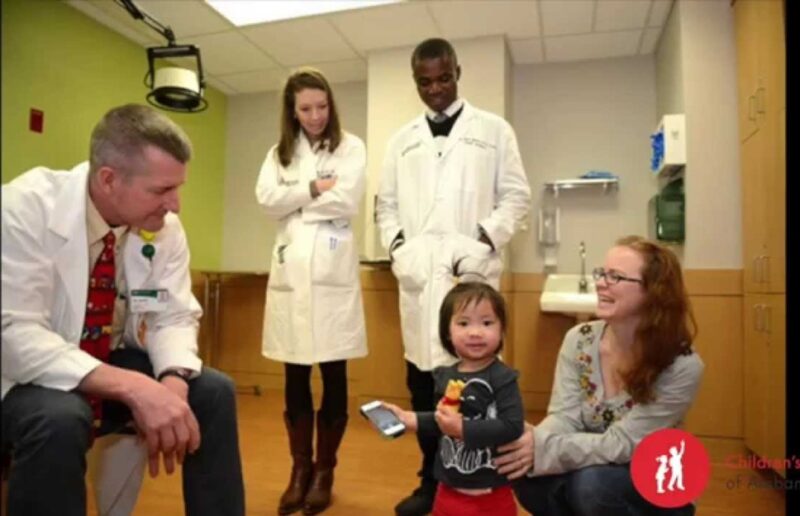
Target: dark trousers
column 605, row 490
column 297, row 392
column 420, row 385
column 48, row 433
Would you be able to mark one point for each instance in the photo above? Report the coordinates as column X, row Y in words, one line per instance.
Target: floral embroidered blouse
column 583, row 427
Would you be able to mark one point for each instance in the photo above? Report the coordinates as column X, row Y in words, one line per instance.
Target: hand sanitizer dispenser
column 548, row 226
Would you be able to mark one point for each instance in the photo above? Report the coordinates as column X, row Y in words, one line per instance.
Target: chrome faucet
column 583, row 285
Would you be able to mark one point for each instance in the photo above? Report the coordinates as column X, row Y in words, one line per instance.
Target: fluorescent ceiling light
column 248, row 12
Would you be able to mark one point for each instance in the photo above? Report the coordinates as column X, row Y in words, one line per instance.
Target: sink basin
column 560, row 294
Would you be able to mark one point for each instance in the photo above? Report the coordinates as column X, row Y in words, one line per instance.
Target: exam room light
column 248, row 12
column 171, row 87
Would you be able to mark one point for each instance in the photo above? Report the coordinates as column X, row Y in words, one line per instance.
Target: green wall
column 57, row 59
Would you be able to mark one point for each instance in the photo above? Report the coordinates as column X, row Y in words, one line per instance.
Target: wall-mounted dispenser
column 549, row 233
column 668, row 144
column 667, row 213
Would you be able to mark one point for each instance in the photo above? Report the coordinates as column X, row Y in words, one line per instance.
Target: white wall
column 248, row 235
column 669, row 67
column 392, row 101
column 712, row 175
column 574, row 117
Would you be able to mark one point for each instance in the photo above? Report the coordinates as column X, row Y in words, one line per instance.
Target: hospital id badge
column 151, row 300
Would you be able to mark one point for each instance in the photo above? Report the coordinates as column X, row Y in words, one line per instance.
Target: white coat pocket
column 411, row 263
column 279, row 269
column 335, row 261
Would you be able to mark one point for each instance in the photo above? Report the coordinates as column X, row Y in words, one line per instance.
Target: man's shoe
column 419, row 503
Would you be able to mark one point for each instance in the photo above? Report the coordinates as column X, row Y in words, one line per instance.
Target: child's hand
column 407, row 417
column 449, row 423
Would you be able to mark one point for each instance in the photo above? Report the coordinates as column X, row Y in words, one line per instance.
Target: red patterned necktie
column 96, row 336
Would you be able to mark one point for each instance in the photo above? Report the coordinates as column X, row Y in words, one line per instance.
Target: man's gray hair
column 121, row 136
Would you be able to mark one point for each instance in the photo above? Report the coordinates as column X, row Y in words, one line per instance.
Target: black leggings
column 334, row 390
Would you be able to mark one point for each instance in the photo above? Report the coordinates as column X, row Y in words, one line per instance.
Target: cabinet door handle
column 767, row 310
column 760, row 101
column 765, row 268
column 751, row 107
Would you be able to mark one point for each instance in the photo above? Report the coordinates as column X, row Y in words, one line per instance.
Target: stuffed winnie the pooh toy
column 451, row 401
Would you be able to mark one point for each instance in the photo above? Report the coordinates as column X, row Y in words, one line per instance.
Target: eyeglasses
column 612, row 277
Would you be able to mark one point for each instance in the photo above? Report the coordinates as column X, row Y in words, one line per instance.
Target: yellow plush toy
column 451, row 401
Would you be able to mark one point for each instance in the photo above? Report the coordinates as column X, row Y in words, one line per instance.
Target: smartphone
column 383, row 419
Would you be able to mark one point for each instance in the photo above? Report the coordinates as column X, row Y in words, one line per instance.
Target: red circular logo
column 670, row 468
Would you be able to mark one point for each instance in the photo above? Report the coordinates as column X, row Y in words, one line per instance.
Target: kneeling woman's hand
column 517, row 456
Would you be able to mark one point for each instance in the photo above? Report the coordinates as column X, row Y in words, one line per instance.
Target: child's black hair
column 460, row 297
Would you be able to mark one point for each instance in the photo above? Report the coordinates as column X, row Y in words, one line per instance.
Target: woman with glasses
column 617, row 379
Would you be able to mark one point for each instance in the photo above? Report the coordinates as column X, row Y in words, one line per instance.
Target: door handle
column 767, row 310
column 765, row 268
column 751, row 107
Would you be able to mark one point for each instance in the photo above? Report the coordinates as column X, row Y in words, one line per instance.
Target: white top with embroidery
column 583, row 429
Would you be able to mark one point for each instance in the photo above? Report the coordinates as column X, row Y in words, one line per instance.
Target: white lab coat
column 46, row 277
column 438, row 201
column 45, row 257
column 314, row 311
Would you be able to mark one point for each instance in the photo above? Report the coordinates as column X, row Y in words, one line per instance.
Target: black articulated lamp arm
column 151, row 22
column 171, row 88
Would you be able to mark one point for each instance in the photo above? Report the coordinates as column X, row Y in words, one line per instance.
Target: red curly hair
column 667, row 327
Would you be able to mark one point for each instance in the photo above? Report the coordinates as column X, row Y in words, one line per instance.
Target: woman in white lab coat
column 311, row 182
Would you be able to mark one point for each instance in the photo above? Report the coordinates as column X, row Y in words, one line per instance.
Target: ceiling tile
column 344, row 71
column 186, row 18
column 221, row 85
column 621, row 14
column 230, row 52
column 473, row 18
column 566, row 17
column 597, row 45
column 261, row 80
column 526, row 51
column 650, row 40
column 301, row 41
column 659, row 13
column 388, row 26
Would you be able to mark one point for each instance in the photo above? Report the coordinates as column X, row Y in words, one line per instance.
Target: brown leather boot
column 329, row 436
column 301, row 433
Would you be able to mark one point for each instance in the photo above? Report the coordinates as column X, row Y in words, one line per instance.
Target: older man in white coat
column 99, row 330
column 452, row 194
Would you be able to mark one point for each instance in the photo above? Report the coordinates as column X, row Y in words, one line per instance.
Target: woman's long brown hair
column 305, row 78
column 667, row 327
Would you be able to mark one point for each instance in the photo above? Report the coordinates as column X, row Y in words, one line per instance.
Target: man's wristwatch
column 183, row 374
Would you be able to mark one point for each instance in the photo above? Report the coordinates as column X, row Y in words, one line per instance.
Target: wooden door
column 774, row 198
column 756, row 376
column 753, row 215
column 775, row 329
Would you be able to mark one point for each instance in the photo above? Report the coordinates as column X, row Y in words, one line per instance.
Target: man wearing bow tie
column 452, row 193
column 99, row 332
